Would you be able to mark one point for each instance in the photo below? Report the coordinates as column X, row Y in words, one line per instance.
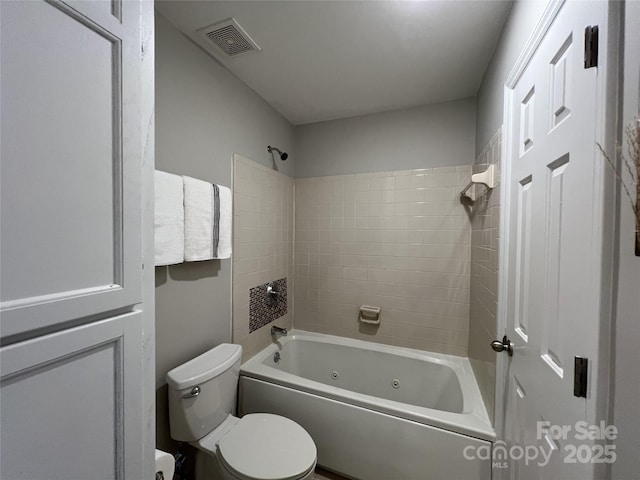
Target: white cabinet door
column 71, row 161
column 65, row 398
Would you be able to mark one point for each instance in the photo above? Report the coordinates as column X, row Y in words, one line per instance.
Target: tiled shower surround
column 485, row 224
column 262, row 246
column 397, row 240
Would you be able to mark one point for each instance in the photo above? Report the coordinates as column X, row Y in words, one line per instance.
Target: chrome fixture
column 195, row 391
column 276, row 357
column 278, row 331
column 272, row 294
column 283, row 155
column 501, row 346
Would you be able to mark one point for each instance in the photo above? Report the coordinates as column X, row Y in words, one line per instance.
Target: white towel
column 207, row 220
column 168, row 219
column 224, row 238
column 198, row 219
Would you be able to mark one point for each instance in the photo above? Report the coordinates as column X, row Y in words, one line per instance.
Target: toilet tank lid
column 204, row 367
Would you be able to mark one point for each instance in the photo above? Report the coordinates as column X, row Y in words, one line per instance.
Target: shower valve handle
column 273, row 294
column 501, row 346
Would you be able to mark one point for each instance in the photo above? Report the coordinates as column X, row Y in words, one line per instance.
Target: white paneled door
column 551, row 292
column 71, row 310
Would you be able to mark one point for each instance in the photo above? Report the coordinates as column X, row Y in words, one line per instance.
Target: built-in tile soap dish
column 369, row 315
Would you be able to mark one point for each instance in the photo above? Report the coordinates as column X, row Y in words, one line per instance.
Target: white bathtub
column 374, row 411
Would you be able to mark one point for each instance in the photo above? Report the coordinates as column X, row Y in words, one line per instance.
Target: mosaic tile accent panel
column 260, row 312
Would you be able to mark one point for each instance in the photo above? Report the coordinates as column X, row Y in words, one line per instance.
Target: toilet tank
column 195, row 412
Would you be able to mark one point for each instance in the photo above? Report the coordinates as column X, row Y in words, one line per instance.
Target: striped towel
column 203, row 217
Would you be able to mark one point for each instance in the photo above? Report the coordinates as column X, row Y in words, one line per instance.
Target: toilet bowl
column 258, row 446
column 202, row 399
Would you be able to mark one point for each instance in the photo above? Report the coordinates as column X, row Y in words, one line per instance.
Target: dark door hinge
column 591, row 47
column 580, row 378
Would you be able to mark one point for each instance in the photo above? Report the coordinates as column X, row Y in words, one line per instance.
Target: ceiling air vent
column 229, row 37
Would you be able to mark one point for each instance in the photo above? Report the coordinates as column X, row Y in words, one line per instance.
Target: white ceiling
column 323, row 60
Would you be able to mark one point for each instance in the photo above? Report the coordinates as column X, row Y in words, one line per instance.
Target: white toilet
column 259, row 446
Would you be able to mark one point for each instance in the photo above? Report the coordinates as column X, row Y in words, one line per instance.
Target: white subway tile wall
column 262, row 244
column 398, row 240
column 485, row 237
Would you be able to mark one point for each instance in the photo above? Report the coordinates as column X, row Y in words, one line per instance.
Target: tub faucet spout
column 278, row 331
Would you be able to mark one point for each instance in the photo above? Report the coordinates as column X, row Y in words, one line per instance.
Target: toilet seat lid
column 267, row 447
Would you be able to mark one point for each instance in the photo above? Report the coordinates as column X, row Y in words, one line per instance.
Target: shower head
column 466, row 200
column 283, row 155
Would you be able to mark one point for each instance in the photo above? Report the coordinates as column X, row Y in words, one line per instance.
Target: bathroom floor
column 326, row 475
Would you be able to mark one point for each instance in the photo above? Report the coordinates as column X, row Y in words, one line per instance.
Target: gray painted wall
column 627, row 354
column 521, row 22
column 439, row 135
column 203, row 115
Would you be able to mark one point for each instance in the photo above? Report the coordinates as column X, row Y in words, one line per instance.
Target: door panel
column 42, row 151
column 527, row 110
column 523, row 258
column 553, row 328
column 71, row 161
column 100, row 9
column 560, row 83
column 64, row 400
